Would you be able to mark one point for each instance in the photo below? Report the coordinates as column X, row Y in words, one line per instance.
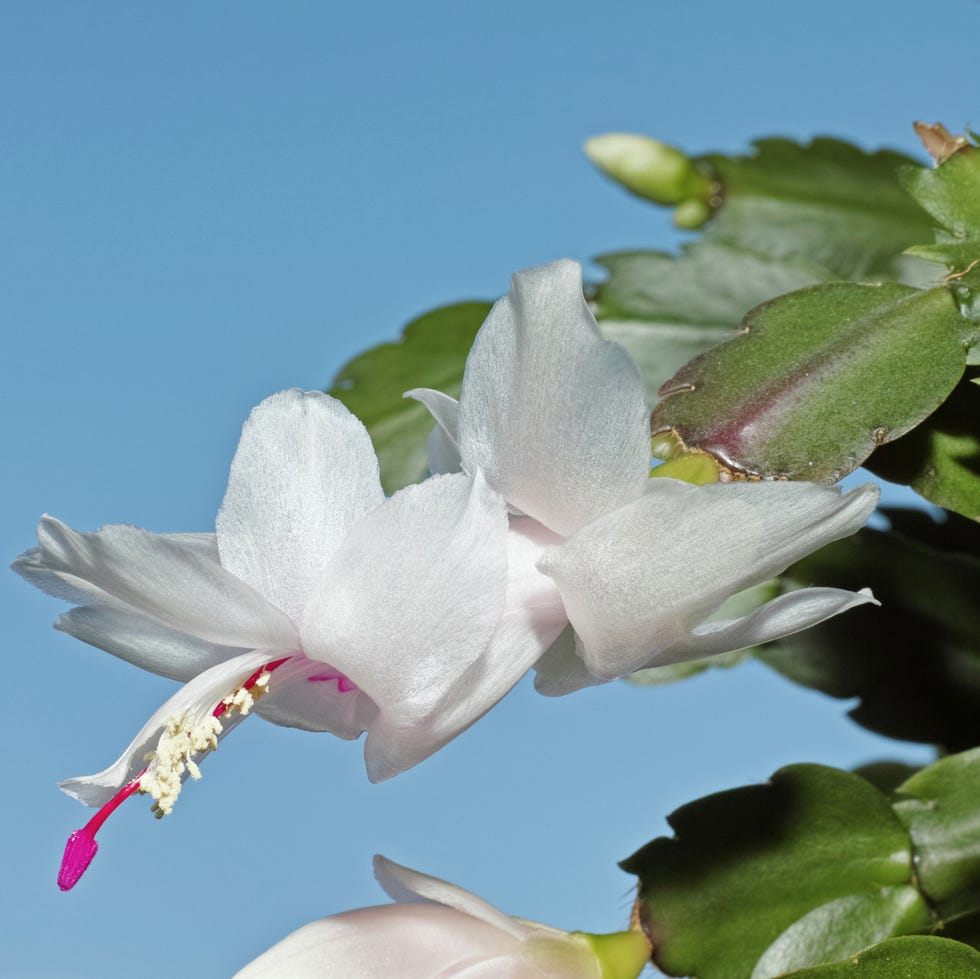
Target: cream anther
column 183, row 737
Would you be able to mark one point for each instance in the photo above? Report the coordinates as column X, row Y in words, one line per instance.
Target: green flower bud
column 651, row 169
column 621, row 955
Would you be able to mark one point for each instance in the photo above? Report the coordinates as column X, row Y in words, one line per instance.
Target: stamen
column 181, row 739
column 260, row 676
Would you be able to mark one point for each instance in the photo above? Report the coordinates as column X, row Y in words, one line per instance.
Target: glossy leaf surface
column 817, row 379
column 940, row 807
column 940, row 459
column 747, row 864
column 909, row 957
column 666, row 309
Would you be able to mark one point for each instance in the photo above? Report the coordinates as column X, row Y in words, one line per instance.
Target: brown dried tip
column 939, row 141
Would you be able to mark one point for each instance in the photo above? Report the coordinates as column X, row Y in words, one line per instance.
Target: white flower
column 438, row 930
column 344, row 611
column 556, row 419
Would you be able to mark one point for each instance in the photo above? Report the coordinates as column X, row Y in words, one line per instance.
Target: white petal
column 319, row 704
column 304, row 473
column 303, row 694
column 32, row 566
column 161, row 576
column 144, row 641
column 195, row 699
column 407, row 941
column 412, row 598
column 560, row 669
column 638, row 580
column 405, row 885
column 443, row 441
column 553, row 414
column 779, row 617
column 339, row 714
column 533, row 617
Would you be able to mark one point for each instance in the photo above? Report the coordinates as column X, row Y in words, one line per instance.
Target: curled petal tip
column 80, row 849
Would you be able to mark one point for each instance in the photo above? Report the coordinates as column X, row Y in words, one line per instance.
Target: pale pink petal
column 317, row 698
column 554, row 415
column 397, row 941
column 407, row 886
column 305, row 472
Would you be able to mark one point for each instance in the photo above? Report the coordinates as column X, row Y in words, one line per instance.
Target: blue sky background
column 205, row 203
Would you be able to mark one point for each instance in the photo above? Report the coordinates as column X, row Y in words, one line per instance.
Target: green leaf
column 747, row 864
column 939, row 805
column 827, row 201
column 914, row 663
column 817, row 379
column 940, row 459
column 704, row 286
column 955, row 254
column 665, row 309
column 837, row 929
column 950, row 192
column 908, row 957
column 431, row 353
column 886, row 776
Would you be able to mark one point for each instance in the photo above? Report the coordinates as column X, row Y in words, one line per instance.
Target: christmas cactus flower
column 556, row 418
column 437, row 929
column 318, row 602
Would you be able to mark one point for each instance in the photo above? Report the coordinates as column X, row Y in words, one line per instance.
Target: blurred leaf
column 431, row 353
column 827, row 201
column 817, row 378
column 665, row 309
column 955, row 254
column 886, row 776
column 915, row 662
column 964, row 928
column 747, row 864
column 940, row 805
column 659, row 676
column 940, row 459
column 908, row 957
column 703, row 286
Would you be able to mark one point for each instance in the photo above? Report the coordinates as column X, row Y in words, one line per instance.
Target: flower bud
column 656, row 171
column 621, row 955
